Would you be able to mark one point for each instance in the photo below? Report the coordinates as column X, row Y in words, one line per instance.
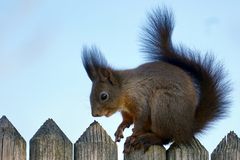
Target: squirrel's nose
column 95, row 115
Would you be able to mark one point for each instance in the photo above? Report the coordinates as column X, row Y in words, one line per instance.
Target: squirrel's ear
column 96, row 66
column 107, row 74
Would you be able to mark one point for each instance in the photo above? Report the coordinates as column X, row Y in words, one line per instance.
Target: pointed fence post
column 192, row 151
column 12, row 145
column 50, row 143
column 228, row 148
column 153, row 153
column 95, row 144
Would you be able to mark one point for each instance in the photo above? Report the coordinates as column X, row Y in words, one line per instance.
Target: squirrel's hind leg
column 144, row 141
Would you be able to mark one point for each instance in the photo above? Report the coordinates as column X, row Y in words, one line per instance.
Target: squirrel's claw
column 118, row 135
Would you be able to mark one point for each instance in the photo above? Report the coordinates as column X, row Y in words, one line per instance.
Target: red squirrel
column 175, row 95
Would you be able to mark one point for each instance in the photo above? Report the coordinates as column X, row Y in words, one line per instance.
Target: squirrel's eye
column 104, row 96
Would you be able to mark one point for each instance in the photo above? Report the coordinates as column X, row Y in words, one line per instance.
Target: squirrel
column 175, row 95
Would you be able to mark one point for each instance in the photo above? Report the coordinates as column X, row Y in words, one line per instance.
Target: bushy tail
column 208, row 75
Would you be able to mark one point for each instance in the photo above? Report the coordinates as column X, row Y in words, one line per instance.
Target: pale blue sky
column 41, row 74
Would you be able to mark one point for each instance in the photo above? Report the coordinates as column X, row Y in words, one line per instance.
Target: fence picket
column 95, row 144
column 50, row 143
column 192, row 151
column 153, row 153
column 12, row 145
column 228, row 148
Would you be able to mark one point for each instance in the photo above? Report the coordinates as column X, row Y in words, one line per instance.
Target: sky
column 41, row 73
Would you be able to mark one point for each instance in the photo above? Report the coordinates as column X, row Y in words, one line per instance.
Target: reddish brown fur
column 171, row 98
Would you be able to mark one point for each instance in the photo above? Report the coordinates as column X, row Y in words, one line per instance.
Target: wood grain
column 50, row 143
column 228, row 148
column 12, row 145
column 95, row 144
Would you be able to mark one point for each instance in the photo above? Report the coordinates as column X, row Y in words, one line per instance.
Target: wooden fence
column 50, row 143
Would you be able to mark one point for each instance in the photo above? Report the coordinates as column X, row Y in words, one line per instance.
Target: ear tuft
column 107, row 74
column 93, row 61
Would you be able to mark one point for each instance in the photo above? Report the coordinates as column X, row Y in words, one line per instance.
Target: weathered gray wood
column 95, row 144
column 12, row 145
column 228, row 148
column 192, row 151
column 153, row 153
column 50, row 143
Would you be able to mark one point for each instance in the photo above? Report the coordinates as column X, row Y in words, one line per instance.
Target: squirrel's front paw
column 118, row 135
